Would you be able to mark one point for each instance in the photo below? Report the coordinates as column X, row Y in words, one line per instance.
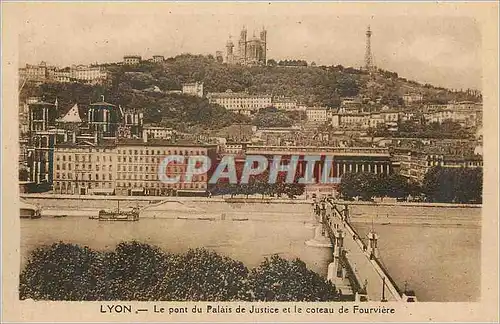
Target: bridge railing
column 351, row 276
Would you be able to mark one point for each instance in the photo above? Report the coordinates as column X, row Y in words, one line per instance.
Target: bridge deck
column 366, row 270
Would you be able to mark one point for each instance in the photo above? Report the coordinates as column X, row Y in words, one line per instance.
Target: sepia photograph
column 267, row 152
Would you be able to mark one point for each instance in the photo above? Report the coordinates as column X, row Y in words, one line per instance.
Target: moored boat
column 128, row 214
column 29, row 211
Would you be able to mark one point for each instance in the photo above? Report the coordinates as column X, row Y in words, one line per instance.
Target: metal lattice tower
column 368, row 51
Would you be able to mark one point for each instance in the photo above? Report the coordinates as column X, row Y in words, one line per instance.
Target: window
column 97, row 177
column 110, row 177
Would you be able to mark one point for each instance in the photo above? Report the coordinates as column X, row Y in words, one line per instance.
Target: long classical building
column 76, row 73
column 240, row 102
column 125, row 167
column 344, row 159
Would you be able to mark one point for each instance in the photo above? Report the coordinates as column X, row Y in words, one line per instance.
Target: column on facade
column 350, row 167
column 375, row 168
column 357, row 167
column 344, row 167
column 388, row 169
column 319, row 163
column 363, row 167
column 44, row 119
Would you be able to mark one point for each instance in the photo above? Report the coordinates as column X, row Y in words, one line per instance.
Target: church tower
column 242, row 45
column 263, row 38
column 229, row 51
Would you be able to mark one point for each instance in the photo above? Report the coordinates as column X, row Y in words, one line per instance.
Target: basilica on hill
column 250, row 51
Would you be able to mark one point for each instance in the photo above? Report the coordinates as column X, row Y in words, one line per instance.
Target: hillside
column 310, row 85
column 130, row 86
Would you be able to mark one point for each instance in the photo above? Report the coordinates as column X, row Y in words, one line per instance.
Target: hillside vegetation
column 131, row 87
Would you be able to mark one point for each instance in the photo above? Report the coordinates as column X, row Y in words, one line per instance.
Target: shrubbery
column 137, row 271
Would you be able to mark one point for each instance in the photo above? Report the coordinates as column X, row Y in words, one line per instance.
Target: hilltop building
column 193, row 89
column 132, row 59
column 250, row 51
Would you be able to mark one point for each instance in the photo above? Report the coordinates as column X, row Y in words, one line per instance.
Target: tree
column 453, row 185
column 23, row 175
column 397, row 186
column 132, row 272
column 272, row 62
column 277, row 279
column 61, row 271
column 202, row 275
column 140, row 272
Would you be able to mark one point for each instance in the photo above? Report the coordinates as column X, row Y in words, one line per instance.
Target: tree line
column 443, row 185
column 135, row 271
column 258, row 185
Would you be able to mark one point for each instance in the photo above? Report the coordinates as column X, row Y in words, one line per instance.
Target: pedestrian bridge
column 356, row 269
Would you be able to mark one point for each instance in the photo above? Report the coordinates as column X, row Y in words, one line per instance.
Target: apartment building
column 240, row 101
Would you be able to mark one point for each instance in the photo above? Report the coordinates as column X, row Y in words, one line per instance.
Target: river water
column 438, row 258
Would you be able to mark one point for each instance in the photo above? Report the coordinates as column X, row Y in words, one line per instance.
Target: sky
column 441, row 47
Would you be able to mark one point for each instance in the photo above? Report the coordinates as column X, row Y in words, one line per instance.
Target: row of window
column 84, row 167
column 121, row 176
column 84, row 176
column 158, row 152
column 152, row 169
column 154, row 177
column 161, row 185
column 84, row 158
column 88, row 157
column 67, row 185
